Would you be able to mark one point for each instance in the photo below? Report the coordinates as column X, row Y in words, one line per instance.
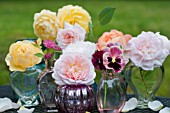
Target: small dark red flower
column 97, row 60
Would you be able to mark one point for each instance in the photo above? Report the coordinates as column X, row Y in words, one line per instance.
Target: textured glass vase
column 144, row 83
column 111, row 93
column 25, row 86
column 47, row 87
column 74, row 98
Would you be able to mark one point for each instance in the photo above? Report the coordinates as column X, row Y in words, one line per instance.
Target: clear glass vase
column 144, row 83
column 74, row 98
column 111, row 93
column 25, row 86
column 47, row 87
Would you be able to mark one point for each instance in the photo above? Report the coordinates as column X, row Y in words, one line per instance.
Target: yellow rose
column 72, row 15
column 45, row 25
column 21, row 56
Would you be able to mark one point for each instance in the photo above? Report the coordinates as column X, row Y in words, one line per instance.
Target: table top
column 6, row 91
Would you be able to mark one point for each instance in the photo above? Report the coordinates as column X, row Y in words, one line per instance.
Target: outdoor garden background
column 130, row 17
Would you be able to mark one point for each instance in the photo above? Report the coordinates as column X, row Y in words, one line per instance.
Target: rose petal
column 165, row 110
column 6, row 104
column 25, row 110
column 155, row 105
column 130, row 105
column 15, row 105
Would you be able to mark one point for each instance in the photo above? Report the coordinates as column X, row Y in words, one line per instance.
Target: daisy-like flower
column 113, row 58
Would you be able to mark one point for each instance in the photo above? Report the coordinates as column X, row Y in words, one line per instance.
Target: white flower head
column 147, row 50
column 86, row 48
column 70, row 34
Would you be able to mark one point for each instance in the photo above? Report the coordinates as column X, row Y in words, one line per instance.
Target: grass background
column 131, row 17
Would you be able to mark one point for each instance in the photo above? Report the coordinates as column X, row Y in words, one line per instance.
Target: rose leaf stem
column 144, row 82
column 105, row 93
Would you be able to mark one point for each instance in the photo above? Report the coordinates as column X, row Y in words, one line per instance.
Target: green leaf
column 98, row 76
column 90, row 36
column 39, row 55
column 51, row 50
column 106, row 15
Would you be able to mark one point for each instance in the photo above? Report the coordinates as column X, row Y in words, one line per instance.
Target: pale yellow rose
column 22, row 55
column 45, row 25
column 74, row 14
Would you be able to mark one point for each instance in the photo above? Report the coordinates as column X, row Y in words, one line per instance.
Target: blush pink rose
column 147, row 50
column 70, row 34
column 73, row 69
column 113, row 36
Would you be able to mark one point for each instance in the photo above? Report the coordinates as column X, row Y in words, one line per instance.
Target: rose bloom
column 70, row 34
column 74, row 14
column 147, row 50
column 21, row 56
column 45, row 25
column 73, row 68
column 113, row 36
column 86, row 48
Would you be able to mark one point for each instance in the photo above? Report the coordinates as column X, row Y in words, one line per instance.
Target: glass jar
column 25, row 86
column 111, row 93
column 144, row 83
column 47, row 87
column 74, row 98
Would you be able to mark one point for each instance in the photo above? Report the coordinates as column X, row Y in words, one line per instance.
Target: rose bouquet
column 68, row 28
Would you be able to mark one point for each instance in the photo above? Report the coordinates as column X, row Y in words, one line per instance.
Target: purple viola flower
column 47, row 56
column 51, row 45
column 97, row 60
column 113, row 58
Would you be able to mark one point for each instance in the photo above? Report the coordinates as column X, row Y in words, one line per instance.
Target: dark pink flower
column 51, row 45
column 47, row 56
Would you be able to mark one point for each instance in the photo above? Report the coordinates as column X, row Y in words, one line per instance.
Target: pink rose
column 73, row 69
column 70, row 34
column 113, row 36
column 147, row 50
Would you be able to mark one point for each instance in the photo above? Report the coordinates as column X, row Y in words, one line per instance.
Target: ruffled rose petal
column 155, row 105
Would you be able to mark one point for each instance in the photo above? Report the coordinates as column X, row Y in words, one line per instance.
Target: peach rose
column 45, row 25
column 74, row 14
column 21, row 56
column 113, row 36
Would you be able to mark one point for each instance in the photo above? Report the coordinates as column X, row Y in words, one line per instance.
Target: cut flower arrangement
column 74, row 71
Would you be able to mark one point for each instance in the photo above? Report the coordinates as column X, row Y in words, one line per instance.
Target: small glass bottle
column 47, row 87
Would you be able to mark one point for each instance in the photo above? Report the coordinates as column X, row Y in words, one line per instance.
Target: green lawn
column 16, row 19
